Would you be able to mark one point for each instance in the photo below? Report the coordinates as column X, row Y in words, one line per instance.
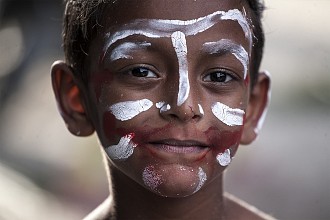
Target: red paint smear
column 222, row 140
column 247, row 80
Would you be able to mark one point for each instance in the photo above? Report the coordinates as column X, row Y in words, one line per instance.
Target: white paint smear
column 163, row 106
column 202, row 178
column 201, row 110
column 157, row 28
column 226, row 45
column 264, row 113
column 181, row 50
column 123, row 150
column 125, row 50
column 228, row 115
column 224, row 158
column 151, row 178
column 124, row 111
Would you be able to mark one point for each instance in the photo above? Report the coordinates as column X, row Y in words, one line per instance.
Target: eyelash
column 220, row 74
column 141, row 69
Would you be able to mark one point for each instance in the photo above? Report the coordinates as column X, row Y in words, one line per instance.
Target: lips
column 179, row 146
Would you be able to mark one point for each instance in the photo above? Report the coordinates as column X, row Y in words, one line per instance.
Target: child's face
column 168, row 90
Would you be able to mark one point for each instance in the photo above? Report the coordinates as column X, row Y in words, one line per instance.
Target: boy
column 171, row 89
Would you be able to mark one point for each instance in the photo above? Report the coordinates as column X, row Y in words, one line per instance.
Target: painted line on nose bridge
column 180, row 46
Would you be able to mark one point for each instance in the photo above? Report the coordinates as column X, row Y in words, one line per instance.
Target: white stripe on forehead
column 125, row 49
column 226, row 45
column 157, row 28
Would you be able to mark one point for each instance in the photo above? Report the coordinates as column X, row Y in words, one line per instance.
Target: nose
column 190, row 110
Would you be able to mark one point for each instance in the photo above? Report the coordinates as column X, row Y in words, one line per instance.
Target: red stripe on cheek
column 222, row 140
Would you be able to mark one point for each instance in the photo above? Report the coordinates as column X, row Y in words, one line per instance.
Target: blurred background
column 46, row 173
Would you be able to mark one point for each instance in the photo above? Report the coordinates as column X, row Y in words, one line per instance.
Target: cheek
column 98, row 81
column 222, row 140
column 109, row 126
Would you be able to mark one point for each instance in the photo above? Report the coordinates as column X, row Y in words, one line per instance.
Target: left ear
column 257, row 107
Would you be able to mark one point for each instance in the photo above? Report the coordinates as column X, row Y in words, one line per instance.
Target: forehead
column 123, row 11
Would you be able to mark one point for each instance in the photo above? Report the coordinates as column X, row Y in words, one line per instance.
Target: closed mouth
column 179, row 146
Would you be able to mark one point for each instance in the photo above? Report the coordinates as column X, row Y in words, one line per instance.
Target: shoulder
column 238, row 209
column 103, row 211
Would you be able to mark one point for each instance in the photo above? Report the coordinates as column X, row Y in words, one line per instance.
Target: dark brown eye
column 142, row 72
column 219, row 76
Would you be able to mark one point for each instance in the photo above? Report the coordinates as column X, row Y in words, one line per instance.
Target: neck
column 133, row 201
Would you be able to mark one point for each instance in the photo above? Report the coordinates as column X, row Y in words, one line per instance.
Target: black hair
column 81, row 21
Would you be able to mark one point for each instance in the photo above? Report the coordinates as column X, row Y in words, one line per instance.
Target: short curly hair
column 81, row 18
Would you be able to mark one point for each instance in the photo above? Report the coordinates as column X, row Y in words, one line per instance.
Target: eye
column 142, row 72
column 218, row 76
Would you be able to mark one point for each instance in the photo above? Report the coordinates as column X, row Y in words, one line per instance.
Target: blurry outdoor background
column 46, row 173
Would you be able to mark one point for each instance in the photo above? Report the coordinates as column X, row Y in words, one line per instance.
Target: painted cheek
column 223, row 140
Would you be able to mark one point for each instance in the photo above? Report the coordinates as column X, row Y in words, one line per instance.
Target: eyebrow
column 224, row 46
column 124, row 50
column 157, row 28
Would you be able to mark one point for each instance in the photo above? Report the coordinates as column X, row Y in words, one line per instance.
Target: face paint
column 124, row 111
column 150, row 178
column 163, row 106
column 202, row 178
column 224, row 158
column 180, row 47
column 157, row 28
column 123, row 150
column 236, row 15
column 225, row 45
column 201, row 110
column 228, row 115
column 124, row 50
column 264, row 113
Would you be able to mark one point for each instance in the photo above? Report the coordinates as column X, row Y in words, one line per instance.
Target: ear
column 69, row 100
column 257, row 108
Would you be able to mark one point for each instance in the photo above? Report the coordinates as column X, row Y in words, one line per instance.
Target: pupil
column 218, row 77
column 140, row 72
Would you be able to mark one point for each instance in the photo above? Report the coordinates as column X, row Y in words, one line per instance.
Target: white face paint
column 228, row 115
column 225, row 45
column 180, row 47
column 124, row 50
column 201, row 110
column 178, row 30
column 263, row 116
column 224, row 158
column 151, row 178
column 123, row 150
column 202, row 178
column 163, row 106
column 124, row 111
column 157, row 28
column 236, row 15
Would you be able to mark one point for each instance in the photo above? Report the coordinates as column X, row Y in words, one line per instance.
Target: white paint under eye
column 264, row 113
column 181, row 50
column 124, row 111
column 201, row 110
column 157, row 28
column 163, row 107
column 225, row 45
column 202, row 178
column 227, row 115
column 151, row 178
column 224, row 158
column 124, row 50
column 123, row 150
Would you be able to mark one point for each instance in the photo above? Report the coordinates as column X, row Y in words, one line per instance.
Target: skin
column 182, row 191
